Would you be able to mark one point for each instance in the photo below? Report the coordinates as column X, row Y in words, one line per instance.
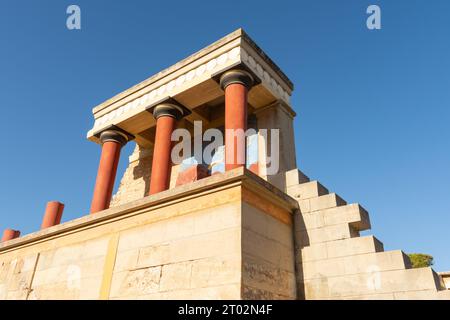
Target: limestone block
column 151, row 256
column 383, row 282
column 51, row 275
column 295, row 177
column 87, row 288
column 260, row 274
column 352, row 214
column 315, row 288
column 72, row 273
column 306, row 221
column 353, row 246
column 328, row 233
column 326, row 201
column 176, row 276
column 269, row 250
column 126, row 260
column 379, row 261
column 265, row 225
column 313, row 252
column 133, row 283
column 55, row 291
column 216, row 271
column 222, row 217
column 365, row 263
column 307, row 190
column 225, row 292
column 213, row 244
column 304, row 206
column 200, row 222
column 224, row 242
column 142, row 236
column 94, row 248
column 178, row 228
column 62, row 256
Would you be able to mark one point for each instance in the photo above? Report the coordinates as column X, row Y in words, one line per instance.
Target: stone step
column 382, row 282
column 356, row 264
column 307, row 190
column 320, row 203
column 353, row 214
column 341, row 248
column 295, row 177
column 325, row 234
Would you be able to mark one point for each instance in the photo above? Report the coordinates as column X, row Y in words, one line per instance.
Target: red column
column 236, row 84
column 166, row 116
column 10, row 234
column 53, row 214
column 112, row 142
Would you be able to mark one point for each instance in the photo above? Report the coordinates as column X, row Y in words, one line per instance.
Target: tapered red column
column 10, row 234
column 53, row 214
column 166, row 117
column 112, row 142
column 236, row 84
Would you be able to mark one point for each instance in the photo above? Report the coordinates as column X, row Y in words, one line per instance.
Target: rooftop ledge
column 216, row 183
column 193, row 83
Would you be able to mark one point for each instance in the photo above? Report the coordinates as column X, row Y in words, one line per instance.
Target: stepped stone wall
column 334, row 262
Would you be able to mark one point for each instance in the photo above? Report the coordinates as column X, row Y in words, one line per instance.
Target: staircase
column 334, row 262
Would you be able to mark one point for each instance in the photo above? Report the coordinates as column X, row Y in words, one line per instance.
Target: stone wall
column 335, row 262
column 229, row 236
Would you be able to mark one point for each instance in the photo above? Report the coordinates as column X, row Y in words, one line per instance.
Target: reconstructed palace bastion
column 217, row 230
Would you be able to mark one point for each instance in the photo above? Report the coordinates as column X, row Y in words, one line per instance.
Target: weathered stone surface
column 133, row 283
column 307, row 190
column 265, row 276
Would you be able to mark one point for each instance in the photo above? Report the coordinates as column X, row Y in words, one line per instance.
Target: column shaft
column 161, row 165
column 53, row 214
column 10, row 234
column 236, row 84
column 112, row 142
column 106, row 176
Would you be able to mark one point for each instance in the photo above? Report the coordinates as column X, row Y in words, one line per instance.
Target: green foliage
column 420, row 260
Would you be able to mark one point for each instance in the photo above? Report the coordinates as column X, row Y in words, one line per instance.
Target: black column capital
column 114, row 134
column 236, row 76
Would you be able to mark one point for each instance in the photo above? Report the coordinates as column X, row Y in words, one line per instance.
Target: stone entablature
column 186, row 79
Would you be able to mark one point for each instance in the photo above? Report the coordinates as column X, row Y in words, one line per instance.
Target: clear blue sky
column 373, row 106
